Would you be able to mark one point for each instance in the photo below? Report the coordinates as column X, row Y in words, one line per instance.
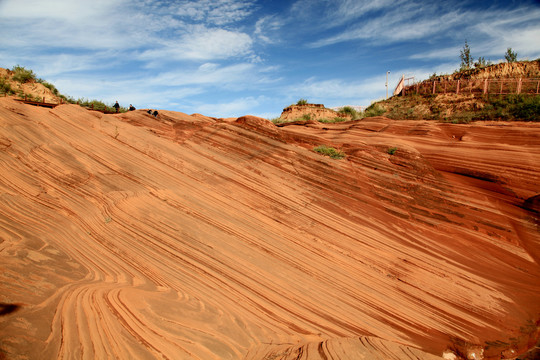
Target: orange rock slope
column 187, row 237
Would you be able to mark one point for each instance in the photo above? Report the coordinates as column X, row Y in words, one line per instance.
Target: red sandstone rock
column 189, row 237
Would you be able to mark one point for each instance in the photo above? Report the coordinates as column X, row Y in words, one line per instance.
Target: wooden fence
column 478, row 86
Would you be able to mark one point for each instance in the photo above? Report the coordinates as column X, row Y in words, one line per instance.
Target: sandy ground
column 186, row 237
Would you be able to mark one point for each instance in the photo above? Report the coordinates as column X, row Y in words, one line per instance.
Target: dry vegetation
column 462, row 108
column 24, row 83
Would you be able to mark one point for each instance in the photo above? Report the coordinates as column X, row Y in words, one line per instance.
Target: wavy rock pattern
column 187, row 237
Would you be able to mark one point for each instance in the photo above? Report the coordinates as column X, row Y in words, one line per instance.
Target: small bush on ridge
column 350, row 111
column 22, row 75
column 374, row 110
column 329, row 151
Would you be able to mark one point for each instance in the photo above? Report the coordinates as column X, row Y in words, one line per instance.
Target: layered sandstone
column 188, row 237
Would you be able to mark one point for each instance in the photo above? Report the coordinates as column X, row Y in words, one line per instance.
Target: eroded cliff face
column 187, row 237
column 34, row 89
column 310, row 112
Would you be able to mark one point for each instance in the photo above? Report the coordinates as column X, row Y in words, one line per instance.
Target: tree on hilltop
column 481, row 63
column 510, row 56
column 466, row 58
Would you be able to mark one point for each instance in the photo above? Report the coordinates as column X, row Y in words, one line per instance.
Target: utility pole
column 386, row 84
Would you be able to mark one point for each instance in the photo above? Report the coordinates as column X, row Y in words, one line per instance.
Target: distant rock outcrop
column 310, row 112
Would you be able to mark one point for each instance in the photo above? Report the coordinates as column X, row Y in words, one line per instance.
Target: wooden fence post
column 457, row 87
column 433, row 87
column 485, row 86
column 518, row 90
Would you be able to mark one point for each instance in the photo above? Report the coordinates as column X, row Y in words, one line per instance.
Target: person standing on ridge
column 116, row 106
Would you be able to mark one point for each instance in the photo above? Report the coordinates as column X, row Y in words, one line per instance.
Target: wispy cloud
column 489, row 33
column 266, row 27
column 229, row 108
column 336, row 92
column 403, row 20
column 236, row 55
column 217, row 12
column 200, row 44
column 208, row 73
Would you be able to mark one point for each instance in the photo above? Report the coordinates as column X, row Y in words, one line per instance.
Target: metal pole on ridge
column 386, row 84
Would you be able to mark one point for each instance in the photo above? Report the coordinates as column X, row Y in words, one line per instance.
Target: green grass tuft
column 347, row 110
column 5, row 87
column 374, row 110
column 329, row 151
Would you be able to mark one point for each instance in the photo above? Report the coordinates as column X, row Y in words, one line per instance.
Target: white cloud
column 350, row 9
column 385, row 22
column 490, row 33
column 142, row 91
column 235, row 108
column 209, row 74
column 265, row 28
column 217, row 12
column 201, row 43
column 185, row 53
column 124, row 25
column 214, row 44
column 70, row 11
column 398, row 22
column 38, row 24
column 336, row 89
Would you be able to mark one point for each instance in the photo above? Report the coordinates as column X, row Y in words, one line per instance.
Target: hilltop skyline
column 229, row 58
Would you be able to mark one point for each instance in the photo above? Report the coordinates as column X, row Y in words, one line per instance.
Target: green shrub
column 349, row 111
column 329, row 151
column 302, row 102
column 51, row 87
column 22, row 75
column 528, row 108
column 69, row 99
column 513, row 107
column 392, row 150
column 5, row 87
column 333, row 120
column 278, row 120
column 374, row 110
column 99, row 105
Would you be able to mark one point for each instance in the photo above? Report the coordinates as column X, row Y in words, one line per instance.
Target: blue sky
column 228, row 58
